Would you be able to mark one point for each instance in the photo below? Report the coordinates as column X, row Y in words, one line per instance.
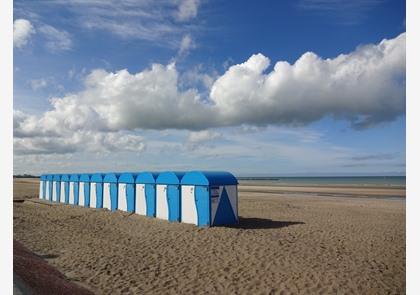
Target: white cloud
column 187, row 43
column 187, row 9
column 22, row 31
column 56, row 40
column 203, row 136
column 365, row 87
column 37, row 84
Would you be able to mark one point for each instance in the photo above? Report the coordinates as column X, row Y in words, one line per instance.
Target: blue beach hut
column 110, row 199
column 84, row 190
column 209, row 198
column 64, row 190
column 126, row 192
column 74, row 189
column 96, row 190
column 49, row 187
column 146, row 193
column 42, row 181
column 168, row 197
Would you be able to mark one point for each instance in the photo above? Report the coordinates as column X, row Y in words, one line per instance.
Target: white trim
column 81, row 194
column 122, row 197
column 141, row 199
column 162, row 208
column 107, row 195
column 188, row 206
column 47, row 190
column 93, row 195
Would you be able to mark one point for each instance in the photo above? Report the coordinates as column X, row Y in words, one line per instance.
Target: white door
column 62, row 192
column 122, row 199
column 107, row 196
column 54, row 192
column 232, row 192
column 93, row 195
column 81, row 194
column 47, row 190
column 71, row 193
column 188, row 208
column 40, row 189
column 141, row 199
column 161, row 202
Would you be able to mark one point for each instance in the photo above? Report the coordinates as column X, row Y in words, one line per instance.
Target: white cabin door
column 162, row 210
column 54, row 192
column 188, row 207
column 71, row 193
column 107, row 196
column 140, row 199
column 40, row 189
column 81, row 194
column 93, row 195
column 62, row 192
column 122, row 197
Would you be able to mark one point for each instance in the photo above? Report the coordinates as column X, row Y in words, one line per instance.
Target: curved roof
column 170, row 177
column 111, row 177
column 147, row 177
column 127, row 177
column 97, row 177
column 50, row 177
column 209, row 178
column 65, row 177
column 84, row 177
column 74, row 177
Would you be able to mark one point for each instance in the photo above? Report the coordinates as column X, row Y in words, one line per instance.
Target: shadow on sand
column 262, row 223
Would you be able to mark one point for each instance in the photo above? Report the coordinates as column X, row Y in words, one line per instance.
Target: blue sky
column 305, row 87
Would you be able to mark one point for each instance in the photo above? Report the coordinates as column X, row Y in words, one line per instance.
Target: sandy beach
column 290, row 240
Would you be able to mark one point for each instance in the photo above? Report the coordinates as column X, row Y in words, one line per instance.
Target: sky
column 288, row 88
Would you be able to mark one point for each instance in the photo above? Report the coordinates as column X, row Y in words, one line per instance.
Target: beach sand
column 289, row 241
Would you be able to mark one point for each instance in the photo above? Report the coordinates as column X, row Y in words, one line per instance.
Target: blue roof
column 65, row 177
column 127, row 177
column 74, row 177
column 57, row 177
column 209, row 178
column 43, row 177
column 147, row 177
column 111, row 177
column 50, row 177
column 97, row 177
column 170, row 177
column 84, row 177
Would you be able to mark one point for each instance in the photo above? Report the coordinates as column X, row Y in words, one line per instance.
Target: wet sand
column 288, row 241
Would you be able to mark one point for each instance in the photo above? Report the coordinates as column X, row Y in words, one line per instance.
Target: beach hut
column 146, row 193
column 64, row 191
column 42, row 181
column 49, row 187
column 74, row 189
column 209, row 198
column 126, row 193
column 96, row 190
column 168, row 198
column 84, row 190
column 110, row 198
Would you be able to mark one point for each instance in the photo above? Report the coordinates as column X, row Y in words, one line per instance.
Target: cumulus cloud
column 365, row 87
column 187, row 9
column 56, row 40
column 22, row 31
column 37, row 84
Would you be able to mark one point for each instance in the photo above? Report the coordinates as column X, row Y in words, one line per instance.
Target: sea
column 368, row 181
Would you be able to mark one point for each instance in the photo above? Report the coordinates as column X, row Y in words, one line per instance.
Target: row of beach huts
column 196, row 197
